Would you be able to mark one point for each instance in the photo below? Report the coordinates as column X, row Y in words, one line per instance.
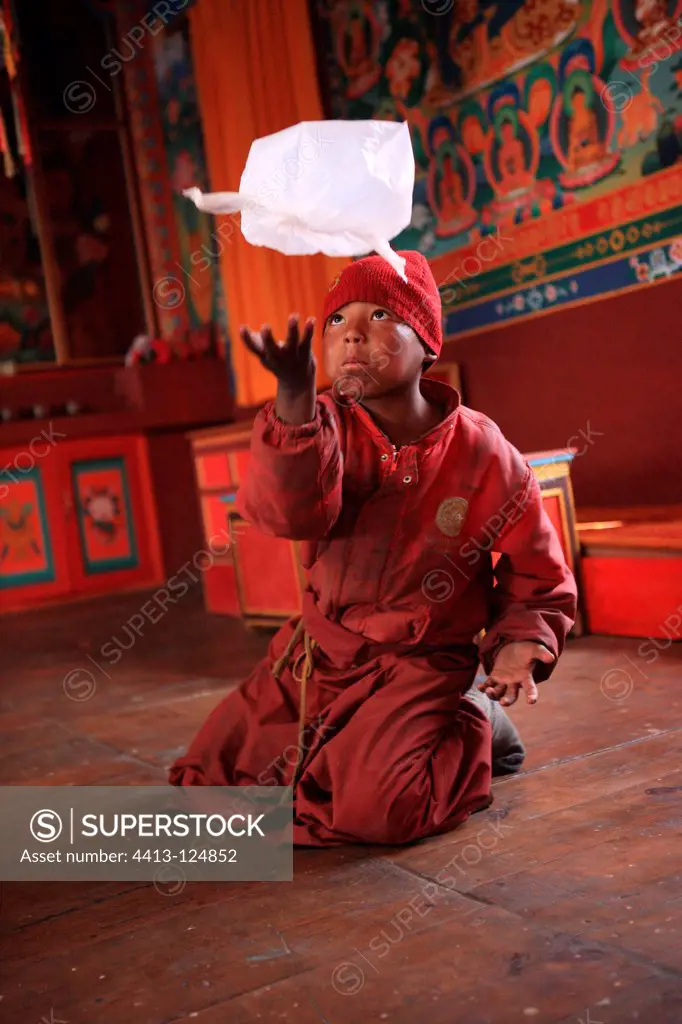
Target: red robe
column 398, row 545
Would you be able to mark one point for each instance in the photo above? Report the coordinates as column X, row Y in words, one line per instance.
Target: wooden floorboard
column 561, row 903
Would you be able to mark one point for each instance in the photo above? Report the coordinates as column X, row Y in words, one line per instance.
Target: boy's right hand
column 293, row 364
column 292, row 360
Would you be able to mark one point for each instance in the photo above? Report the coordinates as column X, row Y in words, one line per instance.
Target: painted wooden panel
column 267, row 573
column 34, row 563
column 25, row 545
column 552, row 506
column 113, row 531
column 214, row 513
column 81, row 519
column 633, row 594
column 105, row 520
column 220, row 590
column 213, row 469
column 239, row 460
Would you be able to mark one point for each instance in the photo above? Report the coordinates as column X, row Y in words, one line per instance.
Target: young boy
column 400, row 494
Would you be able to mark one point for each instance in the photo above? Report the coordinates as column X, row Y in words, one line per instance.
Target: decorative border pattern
column 660, row 262
column 155, row 189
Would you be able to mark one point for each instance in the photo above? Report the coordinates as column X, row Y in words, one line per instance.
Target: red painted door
column 268, row 575
column 110, row 516
column 33, row 557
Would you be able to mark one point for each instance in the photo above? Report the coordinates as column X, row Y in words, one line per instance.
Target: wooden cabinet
column 220, row 457
column 78, row 269
column 109, row 504
column 553, row 472
column 259, row 578
column 77, row 519
column 269, row 578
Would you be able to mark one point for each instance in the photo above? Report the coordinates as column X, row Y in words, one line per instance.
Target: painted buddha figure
column 511, row 159
column 450, row 191
column 357, row 46
column 584, row 144
column 470, row 45
column 358, row 43
column 403, row 67
column 451, row 180
column 652, row 15
column 359, row 61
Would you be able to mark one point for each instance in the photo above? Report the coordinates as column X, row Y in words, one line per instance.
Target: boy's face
column 370, row 351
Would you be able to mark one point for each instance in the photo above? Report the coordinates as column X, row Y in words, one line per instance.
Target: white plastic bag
column 343, row 188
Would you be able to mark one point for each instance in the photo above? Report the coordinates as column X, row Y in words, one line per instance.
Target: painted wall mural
column 547, row 136
column 184, row 246
column 200, row 245
column 25, row 332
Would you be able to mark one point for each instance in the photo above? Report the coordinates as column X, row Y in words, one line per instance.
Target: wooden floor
column 561, row 903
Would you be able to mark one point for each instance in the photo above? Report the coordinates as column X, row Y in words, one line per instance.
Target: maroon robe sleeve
column 535, row 597
column 293, row 485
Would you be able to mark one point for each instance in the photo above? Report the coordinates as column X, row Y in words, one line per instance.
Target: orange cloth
column 254, row 66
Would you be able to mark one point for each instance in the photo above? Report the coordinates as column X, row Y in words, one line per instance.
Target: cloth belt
column 301, row 670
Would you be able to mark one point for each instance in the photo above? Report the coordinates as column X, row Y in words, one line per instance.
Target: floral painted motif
column 535, row 298
column 676, row 250
column 403, row 67
column 658, row 263
column 103, row 508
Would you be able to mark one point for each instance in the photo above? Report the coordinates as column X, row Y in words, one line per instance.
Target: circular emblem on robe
column 451, row 515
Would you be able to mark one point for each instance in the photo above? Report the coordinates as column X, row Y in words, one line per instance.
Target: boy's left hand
column 513, row 671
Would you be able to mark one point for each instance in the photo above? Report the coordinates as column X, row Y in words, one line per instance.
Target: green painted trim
column 564, row 259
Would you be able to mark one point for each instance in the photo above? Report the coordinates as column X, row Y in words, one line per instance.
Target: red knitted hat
column 372, row 279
